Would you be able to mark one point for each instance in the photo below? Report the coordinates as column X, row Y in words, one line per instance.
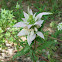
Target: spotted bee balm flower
column 30, row 25
column 59, row 26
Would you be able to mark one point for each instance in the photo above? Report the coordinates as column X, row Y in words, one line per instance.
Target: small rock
column 3, row 55
column 10, row 51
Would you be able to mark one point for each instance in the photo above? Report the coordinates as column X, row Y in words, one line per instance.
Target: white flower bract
column 31, row 20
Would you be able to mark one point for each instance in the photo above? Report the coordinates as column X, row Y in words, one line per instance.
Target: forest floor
column 6, row 55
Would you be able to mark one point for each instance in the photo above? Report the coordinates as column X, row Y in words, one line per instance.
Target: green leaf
column 42, row 61
column 22, row 52
column 1, row 30
column 7, row 34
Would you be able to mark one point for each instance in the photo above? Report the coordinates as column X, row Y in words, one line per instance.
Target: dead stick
column 54, row 38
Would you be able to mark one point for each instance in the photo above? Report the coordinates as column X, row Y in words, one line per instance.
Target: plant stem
column 33, row 57
column 34, row 44
column 34, row 48
column 54, row 38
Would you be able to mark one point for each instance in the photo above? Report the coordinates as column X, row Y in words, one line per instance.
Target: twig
column 43, row 58
column 54, row 38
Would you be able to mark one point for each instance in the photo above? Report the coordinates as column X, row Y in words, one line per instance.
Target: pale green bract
column 17, row 6
column 31, row 23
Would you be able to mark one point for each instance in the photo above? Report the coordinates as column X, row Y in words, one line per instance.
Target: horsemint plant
column 6, row 21
column 31, row 23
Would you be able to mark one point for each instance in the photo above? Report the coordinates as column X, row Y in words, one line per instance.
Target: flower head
column 59, row 26
column 31, row 23
column 31, row 19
